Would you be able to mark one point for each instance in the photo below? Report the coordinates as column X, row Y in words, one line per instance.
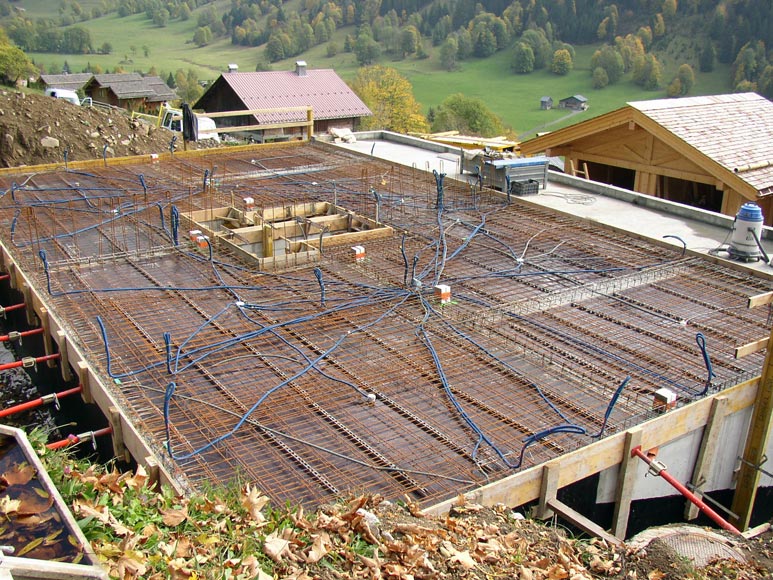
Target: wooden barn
column 712, row 152
column 575, row 102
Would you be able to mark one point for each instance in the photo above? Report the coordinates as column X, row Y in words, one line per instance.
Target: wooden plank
column 760, row 300
column 586, row 525
column 751, row 348
column 524, row 486
column 119, row 449
column 64, row 356
column 756, row 444
column 626, row 481
column 707, row 452
column 265, row 126
column 548, row 489
column 224, row 114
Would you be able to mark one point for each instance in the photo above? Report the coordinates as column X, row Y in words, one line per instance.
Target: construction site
column 321, row 322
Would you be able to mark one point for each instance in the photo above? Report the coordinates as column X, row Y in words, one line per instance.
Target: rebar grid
column 342, row 376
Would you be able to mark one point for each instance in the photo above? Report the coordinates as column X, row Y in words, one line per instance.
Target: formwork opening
column 281, row 236
column 271, row 353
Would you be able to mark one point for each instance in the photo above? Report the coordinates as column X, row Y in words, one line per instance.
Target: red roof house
column 334, row 104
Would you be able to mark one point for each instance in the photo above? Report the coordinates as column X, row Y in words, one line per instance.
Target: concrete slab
column 702, row 231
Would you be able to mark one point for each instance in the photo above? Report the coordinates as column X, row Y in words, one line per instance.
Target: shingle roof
column 733, row 130
column 134, row 86
column 161, row 90
column 322, row 89
column 71, row 82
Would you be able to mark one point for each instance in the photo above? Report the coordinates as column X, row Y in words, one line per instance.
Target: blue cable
column 318, row 274
column 701, row 341
column 611, row 406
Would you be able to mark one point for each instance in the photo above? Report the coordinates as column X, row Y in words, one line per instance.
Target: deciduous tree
column 523, row 58
column 686, row 78
column 390, row 98
column 562, row 62
column 611, row 61
column 600, row 78
column 467, row 115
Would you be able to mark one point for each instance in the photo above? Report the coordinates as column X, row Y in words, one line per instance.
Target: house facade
column 129, row 91
column 333, row 103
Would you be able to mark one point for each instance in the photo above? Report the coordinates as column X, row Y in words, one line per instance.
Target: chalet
column 711, row 152
column 546, row 103
column 71, row 82
column 129, row 91
column 575, row 102
column 333, row 103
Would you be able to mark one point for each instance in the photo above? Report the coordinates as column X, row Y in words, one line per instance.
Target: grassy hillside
column 513, row 97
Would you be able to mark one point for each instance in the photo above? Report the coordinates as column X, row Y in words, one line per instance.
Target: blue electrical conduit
column 405, row 260
column 611, row 406
column 701, row 341
column 684, row 244
column 172, row 386
column 508, row 366
column 482, row 438
column 311, row 365
column 259, row 425
column 213, row 348
column 601, row 351
column 318, row 274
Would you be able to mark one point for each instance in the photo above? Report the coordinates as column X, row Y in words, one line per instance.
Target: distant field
column 515, row 98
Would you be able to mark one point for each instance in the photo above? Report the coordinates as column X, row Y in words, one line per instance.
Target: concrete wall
column 680, row 455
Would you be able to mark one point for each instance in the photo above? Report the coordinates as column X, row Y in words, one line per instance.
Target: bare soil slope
column 35, row 129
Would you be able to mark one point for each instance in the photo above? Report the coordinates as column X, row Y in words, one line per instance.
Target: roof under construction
column 320, row 322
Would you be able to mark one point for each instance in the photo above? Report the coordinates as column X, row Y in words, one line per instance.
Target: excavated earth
column 35, row 130
column 473, row 542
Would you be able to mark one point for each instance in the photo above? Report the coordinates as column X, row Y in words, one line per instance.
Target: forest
column 540, row 34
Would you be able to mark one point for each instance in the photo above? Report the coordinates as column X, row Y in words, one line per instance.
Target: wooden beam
column 756, row 443
column 751, row 348
column 224, row 114
column 82, row 368
column 29, row 305
column 524, row 486
column 760, row 300
column 548, row 489
column 582, row 522
column 707, row 452
column 48, row 342
column 626, row 480
column 119, row 448
column 64, row 356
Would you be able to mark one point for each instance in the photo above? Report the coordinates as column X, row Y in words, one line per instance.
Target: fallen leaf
column 656, row 575
column 8, row 505
column 254, row 501
column 464, row 559
column 319, row 549
column 276, row 548
column 19, row 475
column 173, row 518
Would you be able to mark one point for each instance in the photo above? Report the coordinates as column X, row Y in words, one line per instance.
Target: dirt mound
column 35, row 129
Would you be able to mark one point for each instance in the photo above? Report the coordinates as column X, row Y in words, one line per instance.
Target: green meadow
column 515, row 98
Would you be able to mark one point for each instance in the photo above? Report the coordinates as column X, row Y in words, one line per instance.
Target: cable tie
column 28, row 362
column 14, row 335
column 2, row 311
